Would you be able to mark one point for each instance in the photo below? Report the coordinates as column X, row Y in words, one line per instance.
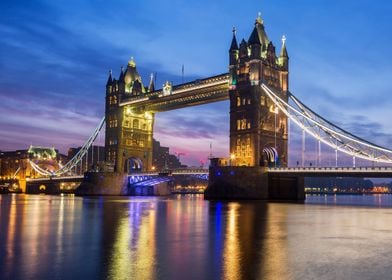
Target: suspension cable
column 336, row 137
column 79, row 155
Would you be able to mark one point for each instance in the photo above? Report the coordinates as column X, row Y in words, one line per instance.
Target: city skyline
column 56, row 57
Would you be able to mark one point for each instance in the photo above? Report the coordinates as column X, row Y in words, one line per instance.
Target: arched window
column 243, row 124
column 135, row 124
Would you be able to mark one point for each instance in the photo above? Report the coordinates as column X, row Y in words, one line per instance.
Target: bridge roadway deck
column 201, row 91
column 368, row 172
column 374, row 172
column 77, row 178
column 174, row 172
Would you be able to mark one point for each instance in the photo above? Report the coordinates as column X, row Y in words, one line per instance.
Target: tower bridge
column 261, row 107
column 255, row 126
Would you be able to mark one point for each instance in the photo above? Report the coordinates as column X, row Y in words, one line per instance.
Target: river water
column 186, row 237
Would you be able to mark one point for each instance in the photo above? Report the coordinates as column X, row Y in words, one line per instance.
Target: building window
column 238, row 124
column 243, row 124
column 262, row 101
column 135, row 124
column 238, row 102
column 113, row 123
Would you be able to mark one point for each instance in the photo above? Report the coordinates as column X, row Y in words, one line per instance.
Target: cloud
column 55, row 55
column 192, row 130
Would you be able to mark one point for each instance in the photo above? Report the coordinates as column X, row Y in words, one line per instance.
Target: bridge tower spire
column 151, row 86
column 233, row 60
column 258, row 131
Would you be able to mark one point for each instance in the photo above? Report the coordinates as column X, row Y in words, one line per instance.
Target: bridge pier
column 42, row 188
column 286, row 187
column 103, row 183
column 237, row 183
column 160, row 189
column 234, row 182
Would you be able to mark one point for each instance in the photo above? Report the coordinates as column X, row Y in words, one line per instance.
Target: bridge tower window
column 262, row 101
column 243, row 124
column 135, row 124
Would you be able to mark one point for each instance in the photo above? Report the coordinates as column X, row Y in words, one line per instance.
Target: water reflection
column 275, row 259
column 133, row 251
column 231, row 252
column 185, row 237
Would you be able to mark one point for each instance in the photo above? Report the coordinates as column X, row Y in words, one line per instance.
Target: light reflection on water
column 185, row 237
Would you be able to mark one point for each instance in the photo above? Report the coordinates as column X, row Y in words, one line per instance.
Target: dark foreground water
column 185, row 237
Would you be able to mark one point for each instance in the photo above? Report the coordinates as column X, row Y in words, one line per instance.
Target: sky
column 55, row 57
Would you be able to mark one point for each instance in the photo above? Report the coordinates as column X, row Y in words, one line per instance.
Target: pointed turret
column 254, row 37
column 130, row 77
column 283, row 51
column 121, row 78
column 243, row 49
column 131, row 74
column 110, row 79
column 255, row 44
column 284, row 56
column 234, row 45
column 151, row 86
column 233, row 52
column 259, row 25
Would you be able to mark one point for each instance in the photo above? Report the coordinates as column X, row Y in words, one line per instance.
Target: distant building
column 337, row 184
column 163, row 159
column 14, row 165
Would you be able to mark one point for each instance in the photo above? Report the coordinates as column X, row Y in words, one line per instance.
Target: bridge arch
column 133, row 164
column 270, row 156
column 42, row 188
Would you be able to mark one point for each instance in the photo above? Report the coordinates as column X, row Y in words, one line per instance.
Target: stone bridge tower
column 258, row 130
column 129, row 130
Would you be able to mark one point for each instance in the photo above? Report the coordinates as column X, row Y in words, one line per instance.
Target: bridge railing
column 331, row 169
column 54, row 178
